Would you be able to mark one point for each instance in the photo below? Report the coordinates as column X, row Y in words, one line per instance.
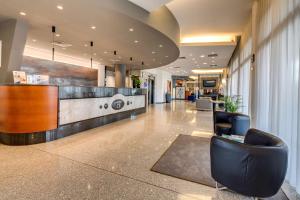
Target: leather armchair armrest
column 240, row 124
column 228, row 161
column 257, row 137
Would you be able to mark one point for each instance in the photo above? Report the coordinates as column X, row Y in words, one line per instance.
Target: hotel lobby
column 154, row 100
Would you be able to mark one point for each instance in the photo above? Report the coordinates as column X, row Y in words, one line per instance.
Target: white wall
column 161, row 83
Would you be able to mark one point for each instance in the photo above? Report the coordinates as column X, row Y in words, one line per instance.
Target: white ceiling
column 210, row 17
column 150, row 5
column 197, row 58
column 207, row 18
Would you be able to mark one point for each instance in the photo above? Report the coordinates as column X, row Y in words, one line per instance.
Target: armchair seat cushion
column 223, row 128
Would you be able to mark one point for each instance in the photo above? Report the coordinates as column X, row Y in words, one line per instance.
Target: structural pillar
column 13, row 34
column 101, row 75
column 120, row 75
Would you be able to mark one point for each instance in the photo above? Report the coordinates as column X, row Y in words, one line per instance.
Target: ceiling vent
column 214, row 65
column 176, row 67
column 182, row 57
column 61, row 44
column 212, row 55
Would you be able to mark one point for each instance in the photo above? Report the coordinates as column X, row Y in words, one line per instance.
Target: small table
column 237, row 138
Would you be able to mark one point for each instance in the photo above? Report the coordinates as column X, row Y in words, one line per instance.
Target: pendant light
column 142, row 69
column 129, row 71
column 53, row 49
column 92, row 45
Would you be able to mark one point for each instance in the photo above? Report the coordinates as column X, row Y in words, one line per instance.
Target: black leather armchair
column 255, row 168
column 231, row 123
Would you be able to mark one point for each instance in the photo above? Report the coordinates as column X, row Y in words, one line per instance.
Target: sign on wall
column 19, row 77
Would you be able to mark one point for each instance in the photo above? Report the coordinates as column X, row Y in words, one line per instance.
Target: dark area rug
column 188, row 158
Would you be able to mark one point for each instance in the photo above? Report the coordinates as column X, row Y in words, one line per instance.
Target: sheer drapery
column 277, row 85
column 239, row 79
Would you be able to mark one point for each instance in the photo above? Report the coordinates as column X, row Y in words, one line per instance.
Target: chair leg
column 220, row 188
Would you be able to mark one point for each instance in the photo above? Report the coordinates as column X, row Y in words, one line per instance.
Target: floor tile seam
column 115, row 173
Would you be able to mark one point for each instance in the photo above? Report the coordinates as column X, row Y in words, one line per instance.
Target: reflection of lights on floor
column 198, row 196
column 193, row 121
column 202, row 133
column 191, row 111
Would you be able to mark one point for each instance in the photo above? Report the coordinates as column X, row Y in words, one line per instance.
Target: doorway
column 151, row 90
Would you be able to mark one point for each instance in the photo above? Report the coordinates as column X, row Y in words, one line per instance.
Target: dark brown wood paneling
column 28, row 109
column 60, row 73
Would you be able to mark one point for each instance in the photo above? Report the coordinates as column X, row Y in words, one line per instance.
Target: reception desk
column 31, row 114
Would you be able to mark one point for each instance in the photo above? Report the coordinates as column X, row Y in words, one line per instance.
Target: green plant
column 136, row 81
column 232, row 104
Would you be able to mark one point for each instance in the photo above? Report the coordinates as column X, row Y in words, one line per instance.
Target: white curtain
column 277, row 86
column 239, row 82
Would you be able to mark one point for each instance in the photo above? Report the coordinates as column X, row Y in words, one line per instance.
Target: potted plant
column 136, row 81
column 232, row 104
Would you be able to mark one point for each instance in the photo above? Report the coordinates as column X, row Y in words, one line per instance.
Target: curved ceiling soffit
column 163, row 22
column 155, row 27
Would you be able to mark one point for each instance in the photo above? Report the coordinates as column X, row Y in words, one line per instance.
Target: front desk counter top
column 31, row 114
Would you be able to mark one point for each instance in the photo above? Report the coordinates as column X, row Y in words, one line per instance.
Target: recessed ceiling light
column 161, row 46
column 131, row 29
column 22, row 13
column 60, row 7
column 167, row 56
column 105, row 52
column 34, row 40
column 204, row 63
column 202, row 56
column 85, row 45
column 93, row 27
column 191, row 55
column 57, row 35
column 153, row 52
column 95, row 54
column 136, row 41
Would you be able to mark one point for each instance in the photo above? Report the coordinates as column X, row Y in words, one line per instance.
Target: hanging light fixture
column 92, row 45
column 114, row 57
column 53, row 34
column 129, row 71
column 142, row 69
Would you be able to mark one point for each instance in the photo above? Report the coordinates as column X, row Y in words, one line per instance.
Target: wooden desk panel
column 28, row 109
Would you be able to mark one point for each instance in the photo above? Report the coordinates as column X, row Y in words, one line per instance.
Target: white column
column 101, row 75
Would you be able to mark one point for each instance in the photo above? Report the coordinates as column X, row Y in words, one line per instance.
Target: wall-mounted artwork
column 180, row 93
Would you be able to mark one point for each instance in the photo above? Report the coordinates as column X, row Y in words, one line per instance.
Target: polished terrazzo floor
column 109, row 162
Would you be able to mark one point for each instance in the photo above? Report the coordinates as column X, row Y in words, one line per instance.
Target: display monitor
column 209, row 83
